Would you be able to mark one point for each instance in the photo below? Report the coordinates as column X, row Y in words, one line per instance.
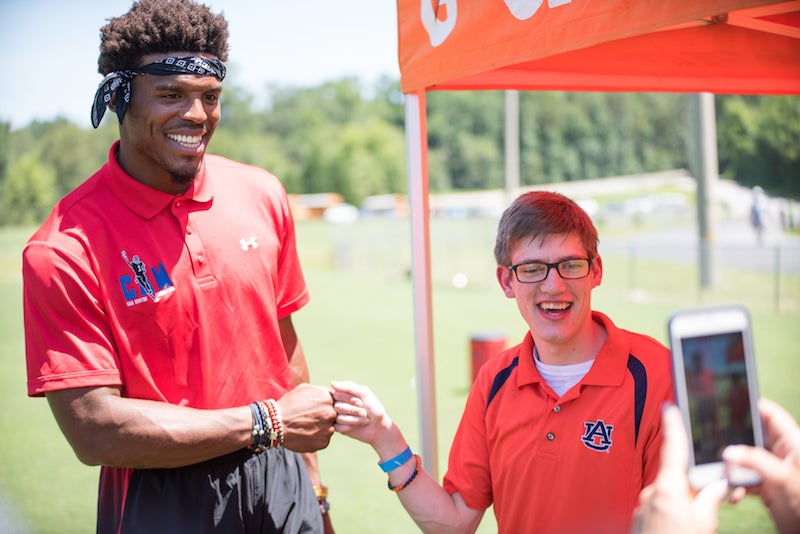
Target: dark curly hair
column 158, row 26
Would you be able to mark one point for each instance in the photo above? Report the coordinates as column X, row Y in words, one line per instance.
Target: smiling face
column 167, row 127
column 557, row 311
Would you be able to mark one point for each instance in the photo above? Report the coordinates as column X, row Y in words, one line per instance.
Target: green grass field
column 359, row 326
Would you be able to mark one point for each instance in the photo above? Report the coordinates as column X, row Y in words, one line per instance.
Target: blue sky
column 49, row 48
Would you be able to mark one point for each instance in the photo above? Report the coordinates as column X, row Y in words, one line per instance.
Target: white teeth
column 554, row 305
column 186, row 140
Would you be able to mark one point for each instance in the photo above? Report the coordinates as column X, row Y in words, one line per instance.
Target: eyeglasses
column 535, row 271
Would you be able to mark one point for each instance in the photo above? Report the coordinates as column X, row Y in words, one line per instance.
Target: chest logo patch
column 597, row 435
column 138, row 288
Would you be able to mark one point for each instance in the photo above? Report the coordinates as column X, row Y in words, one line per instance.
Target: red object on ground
column 483, row 346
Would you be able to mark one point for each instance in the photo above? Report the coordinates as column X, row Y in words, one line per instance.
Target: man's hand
column 307, row 415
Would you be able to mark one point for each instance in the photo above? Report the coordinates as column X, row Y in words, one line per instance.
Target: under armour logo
column 597, row 435
column 248, row 242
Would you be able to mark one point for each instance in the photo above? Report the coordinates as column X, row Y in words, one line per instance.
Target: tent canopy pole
column 417, row 159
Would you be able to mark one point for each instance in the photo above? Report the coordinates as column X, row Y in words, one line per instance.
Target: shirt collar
column 611, row 363
column 144, row 200
column 609, row 366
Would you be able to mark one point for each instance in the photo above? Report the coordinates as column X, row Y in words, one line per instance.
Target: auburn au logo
column 597, row 435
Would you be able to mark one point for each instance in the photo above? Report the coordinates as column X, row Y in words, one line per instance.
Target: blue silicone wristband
column 397, row 461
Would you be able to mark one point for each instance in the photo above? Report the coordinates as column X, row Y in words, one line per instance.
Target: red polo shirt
column 176, row 298
column 570, row 464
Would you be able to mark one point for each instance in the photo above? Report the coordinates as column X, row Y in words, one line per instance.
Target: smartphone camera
column 715, row 389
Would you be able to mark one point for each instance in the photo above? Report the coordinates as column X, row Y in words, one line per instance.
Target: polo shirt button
column 556, row 408
column 550, row 436
column 188, row 229
column 201, row 258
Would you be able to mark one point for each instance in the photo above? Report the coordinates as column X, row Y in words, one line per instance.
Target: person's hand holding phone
column 778, row 465
column 669, row 504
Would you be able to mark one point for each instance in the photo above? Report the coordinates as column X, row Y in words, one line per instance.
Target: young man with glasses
column 561, row 432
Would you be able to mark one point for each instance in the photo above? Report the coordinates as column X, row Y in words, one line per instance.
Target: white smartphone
column 715, row 389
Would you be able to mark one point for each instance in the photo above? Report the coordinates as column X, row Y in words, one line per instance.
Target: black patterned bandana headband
column 120, row 81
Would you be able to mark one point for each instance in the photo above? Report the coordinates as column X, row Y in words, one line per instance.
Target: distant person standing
column 758, row 212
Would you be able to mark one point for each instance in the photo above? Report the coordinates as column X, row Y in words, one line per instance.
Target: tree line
column 341, row 136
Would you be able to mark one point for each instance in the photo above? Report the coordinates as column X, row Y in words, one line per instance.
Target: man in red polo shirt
column 561, row 432
column 158, row 302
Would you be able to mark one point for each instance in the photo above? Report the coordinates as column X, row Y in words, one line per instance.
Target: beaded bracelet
column 277, row 424
column 405, row 484
column 269, row 427
column 324, row 506
column 258, row 445
column 322, row 499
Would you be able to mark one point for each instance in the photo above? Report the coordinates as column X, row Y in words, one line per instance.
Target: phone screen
column 718, row 393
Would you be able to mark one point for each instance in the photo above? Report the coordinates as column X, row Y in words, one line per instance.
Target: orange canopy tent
column 697, row 46
column 717, row 46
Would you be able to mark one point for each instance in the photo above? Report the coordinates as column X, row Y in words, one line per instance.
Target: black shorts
column 238, row 493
